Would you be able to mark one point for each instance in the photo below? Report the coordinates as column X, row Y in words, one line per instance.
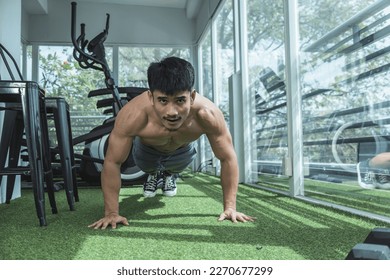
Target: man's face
column 172, row 110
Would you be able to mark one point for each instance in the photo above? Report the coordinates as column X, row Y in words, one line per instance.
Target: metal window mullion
column 115, row 64
column 294, row 104
column 214, row 60
column 249, row 137
column 201, row 147
column 24, row 61
column 35, row 63
column 237, row 45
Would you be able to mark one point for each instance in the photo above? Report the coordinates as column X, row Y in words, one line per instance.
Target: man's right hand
column 111, row 219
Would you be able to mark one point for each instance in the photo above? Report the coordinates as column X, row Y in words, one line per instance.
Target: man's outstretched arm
column 118, row 150
column 222, row 146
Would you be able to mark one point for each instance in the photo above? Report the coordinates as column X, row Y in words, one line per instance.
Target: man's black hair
column 171, row 75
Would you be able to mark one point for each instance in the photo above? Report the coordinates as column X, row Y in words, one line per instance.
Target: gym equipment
column 96, row 140
column 363, row 251
column 379, row 236
column 375, row 246
column 90, row 170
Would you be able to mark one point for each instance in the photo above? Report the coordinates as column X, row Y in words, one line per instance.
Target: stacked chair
column 26, row 111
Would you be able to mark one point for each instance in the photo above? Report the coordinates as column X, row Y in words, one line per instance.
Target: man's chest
column 164, row 140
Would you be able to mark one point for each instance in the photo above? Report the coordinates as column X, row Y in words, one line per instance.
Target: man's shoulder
column 208, row 115
column 134, row 115
column 135, row 107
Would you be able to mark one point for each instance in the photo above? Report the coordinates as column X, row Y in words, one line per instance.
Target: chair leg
column 47, row 162
column 14, row 151
column 6, row 137
column 72, row 160
column 32, row 123
column 62, row 131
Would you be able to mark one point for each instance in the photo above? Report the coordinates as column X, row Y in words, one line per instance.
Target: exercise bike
column 91, row 54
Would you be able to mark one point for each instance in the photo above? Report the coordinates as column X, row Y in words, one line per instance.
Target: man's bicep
column 217, row 132
column 119, row 147
column 221, row 144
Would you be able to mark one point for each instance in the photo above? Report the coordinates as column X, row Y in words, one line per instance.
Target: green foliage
column 61, row 76
column 134, row 62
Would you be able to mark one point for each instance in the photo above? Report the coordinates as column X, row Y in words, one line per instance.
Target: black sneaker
column 382, row 179
column 366, row 175
column 169, row 186
column 151, row 185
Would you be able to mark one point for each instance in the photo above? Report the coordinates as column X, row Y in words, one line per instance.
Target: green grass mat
column 347, row 194
column 182, row 227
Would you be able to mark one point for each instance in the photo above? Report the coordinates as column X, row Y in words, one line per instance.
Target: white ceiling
column 191, row 7
column 179, row 4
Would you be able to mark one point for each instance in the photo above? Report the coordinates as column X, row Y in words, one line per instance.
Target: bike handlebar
column 80, row 55
column 96, row 46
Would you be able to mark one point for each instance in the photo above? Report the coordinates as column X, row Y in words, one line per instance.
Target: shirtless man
column 160, row 126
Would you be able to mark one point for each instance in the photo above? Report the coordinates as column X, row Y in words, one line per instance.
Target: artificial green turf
column 182, row 227
column 348, row 194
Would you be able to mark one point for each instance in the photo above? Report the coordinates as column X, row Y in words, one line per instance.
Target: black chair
column 15, row 122
column 25, row 111
column 58, row 109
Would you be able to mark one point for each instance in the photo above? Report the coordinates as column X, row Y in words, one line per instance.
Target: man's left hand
column 234, row 216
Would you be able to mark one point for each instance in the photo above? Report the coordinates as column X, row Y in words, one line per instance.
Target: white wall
column 128, row 24
column 10, row 28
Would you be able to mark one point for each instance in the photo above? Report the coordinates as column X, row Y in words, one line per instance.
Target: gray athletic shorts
column 151, row 161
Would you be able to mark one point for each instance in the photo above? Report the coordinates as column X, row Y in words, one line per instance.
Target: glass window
column 345, row 92
column 266, row 65
column 206, row 89
column 224, row 62
column 205, row 66
column 28, row 63
column 134, row 62
column 61, row 76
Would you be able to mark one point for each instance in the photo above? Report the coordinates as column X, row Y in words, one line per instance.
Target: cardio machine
column 91, row 54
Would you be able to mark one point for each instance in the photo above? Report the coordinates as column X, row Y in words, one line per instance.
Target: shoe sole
column 170, row 193
column 149, row 194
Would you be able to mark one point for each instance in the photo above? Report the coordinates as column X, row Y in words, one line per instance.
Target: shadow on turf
column 310, row 231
